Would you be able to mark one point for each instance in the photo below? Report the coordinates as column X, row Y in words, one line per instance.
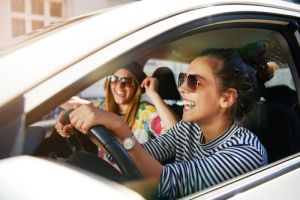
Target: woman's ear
column 228, row 98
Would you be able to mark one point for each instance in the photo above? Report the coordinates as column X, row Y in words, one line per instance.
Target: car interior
column 275, row 118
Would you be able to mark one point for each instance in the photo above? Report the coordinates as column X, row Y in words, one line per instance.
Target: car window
column 185, row 49
column 279, row 51
column 95, row 91
column 178, row 53
column 282, row 76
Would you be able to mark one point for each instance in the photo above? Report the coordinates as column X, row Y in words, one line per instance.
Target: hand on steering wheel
column 101, row 136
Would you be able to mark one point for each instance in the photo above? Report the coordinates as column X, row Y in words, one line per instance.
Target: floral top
column 147, row 124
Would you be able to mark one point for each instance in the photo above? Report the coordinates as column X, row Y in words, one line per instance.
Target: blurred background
column 18, row 17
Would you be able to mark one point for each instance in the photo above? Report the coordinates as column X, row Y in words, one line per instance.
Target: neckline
column 221, row 138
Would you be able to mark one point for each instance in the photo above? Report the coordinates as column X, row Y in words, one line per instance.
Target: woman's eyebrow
column 201, row 77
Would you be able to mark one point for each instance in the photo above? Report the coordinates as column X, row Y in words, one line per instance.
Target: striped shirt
column 197, row 165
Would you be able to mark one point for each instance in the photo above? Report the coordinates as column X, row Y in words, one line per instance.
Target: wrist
column 153, row 95
column 129, row 142
column 120, row 128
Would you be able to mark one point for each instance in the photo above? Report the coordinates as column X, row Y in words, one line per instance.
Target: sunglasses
column 126, row 81
column 192, row 81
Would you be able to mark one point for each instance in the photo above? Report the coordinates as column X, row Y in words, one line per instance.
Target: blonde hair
column 111, row 105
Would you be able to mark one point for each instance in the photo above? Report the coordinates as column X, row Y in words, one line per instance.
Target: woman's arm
column 168, row 117
column 86, row 116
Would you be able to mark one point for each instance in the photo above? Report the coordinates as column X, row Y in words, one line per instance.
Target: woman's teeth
column 120, row 93
column 188, row 104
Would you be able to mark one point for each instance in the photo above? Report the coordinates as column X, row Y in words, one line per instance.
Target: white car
column 49, row 66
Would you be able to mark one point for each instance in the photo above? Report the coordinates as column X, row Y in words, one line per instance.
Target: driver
column 209, row 144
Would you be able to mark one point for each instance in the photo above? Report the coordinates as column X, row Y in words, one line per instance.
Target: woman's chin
column 186, row 117
column 120, row 100
column 190, row 117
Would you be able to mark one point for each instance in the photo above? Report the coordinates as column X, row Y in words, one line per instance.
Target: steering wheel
column 100, row 135
column 116, row 150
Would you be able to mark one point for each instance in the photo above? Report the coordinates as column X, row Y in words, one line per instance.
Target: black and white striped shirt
column 198, row 166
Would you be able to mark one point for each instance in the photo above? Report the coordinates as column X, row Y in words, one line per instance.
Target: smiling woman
column 209, row 145
column 124, row 98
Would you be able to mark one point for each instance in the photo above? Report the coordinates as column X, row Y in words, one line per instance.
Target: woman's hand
column 63, row 127
column 151, row 86
column 86, row 116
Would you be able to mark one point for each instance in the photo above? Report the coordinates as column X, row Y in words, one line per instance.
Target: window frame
column 105, row 60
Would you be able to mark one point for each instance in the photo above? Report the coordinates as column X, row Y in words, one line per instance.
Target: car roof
column 45, row 54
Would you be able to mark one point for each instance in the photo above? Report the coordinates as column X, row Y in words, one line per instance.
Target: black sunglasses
column 126, row 81
column 192, row 81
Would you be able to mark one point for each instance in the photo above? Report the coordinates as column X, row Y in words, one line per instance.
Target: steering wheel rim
column 100, row 134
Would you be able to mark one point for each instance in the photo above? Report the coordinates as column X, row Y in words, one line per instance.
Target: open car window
column 177, row 54
column 181, row 51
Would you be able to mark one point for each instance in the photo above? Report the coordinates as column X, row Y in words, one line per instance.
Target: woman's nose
column 183, row 87
column 120, row 84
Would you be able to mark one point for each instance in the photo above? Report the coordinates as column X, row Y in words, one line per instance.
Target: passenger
column 123, row 97
column 209, row 144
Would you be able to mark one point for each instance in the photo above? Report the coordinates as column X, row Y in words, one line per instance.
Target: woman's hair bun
column 267, row 72
column 256, row 55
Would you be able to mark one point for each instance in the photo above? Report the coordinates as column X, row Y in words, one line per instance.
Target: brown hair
column 246, row 70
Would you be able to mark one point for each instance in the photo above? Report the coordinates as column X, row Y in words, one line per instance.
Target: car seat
column 277, row 127
column 168, row 88
column 282, row 94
